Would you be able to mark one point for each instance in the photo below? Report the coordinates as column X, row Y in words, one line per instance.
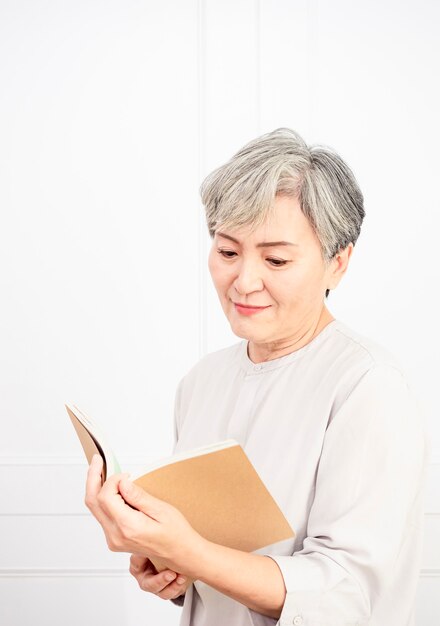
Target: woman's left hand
column 152, row 528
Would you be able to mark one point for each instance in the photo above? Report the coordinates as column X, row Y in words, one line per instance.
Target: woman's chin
column 245, row 331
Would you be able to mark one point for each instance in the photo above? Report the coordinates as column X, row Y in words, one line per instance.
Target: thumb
column 139, row 499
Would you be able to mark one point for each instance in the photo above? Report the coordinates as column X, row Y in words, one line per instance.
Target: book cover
column 216, row 488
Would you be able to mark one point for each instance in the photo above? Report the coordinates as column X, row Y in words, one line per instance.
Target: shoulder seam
column 375, row 366
column 375, row 361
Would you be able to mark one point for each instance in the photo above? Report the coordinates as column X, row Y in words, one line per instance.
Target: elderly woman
column 324, row 414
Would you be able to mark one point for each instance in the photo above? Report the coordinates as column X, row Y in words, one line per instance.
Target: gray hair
column 242, row 191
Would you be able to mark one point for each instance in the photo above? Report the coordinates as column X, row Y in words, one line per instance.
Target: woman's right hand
column 166, row 585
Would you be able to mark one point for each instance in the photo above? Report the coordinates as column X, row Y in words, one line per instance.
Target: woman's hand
column 155, row 530
column 134, row 521
column 166, row 584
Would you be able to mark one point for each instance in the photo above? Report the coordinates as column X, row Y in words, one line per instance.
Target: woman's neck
column 259, row 352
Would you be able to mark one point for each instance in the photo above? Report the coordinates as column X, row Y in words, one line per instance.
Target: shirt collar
column 266, row 366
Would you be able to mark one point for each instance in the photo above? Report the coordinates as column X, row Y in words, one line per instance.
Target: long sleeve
column 369, row 483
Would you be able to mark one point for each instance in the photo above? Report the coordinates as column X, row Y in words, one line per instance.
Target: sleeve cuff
column 333, row 601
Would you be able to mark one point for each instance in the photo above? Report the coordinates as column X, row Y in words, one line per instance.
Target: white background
column 111, row 114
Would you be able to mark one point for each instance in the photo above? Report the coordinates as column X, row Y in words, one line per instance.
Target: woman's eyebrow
column 268, row 244
column 263, row 244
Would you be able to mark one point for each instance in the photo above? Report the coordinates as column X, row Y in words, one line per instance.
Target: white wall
column 111, row 113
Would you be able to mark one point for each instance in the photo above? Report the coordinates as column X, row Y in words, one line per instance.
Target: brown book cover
column 215, row 487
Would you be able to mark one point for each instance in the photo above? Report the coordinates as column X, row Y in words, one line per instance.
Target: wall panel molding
column 201, row 235
column 55, row 572
column 54, row 461
column 54, row 486
column 79, row 460
column 108, row 572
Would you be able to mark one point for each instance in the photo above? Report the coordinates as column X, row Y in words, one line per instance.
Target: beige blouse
column 337, row 437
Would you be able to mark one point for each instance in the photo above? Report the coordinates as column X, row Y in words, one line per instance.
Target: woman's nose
column 248, row 278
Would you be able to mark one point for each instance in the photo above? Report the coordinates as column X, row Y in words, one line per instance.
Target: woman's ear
column 339, row 266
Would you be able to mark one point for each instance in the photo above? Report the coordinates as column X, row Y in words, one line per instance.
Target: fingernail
column 180, row 580
column 169, row 577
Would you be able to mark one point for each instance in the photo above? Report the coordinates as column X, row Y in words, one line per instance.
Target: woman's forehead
column 286, row 224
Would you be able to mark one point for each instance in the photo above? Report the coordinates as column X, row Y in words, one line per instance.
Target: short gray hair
column 241, row 192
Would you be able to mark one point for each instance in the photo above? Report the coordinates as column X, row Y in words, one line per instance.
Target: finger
column 174, row 589
column 156, row 583
column 139, row 562
column 94, row 480
column 141, row 565
column 93, row 489
column 111, row 501
column 139, row 499
column 94, row 494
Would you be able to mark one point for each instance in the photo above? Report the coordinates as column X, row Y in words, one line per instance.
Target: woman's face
column 278, row 267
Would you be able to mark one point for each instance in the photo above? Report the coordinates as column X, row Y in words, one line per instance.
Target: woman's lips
column 249, row 310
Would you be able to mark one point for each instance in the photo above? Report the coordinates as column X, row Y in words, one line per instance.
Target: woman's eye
column 228, row 254
column 277, row 262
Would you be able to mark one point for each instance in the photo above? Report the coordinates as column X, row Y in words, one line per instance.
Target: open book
column 215, row 487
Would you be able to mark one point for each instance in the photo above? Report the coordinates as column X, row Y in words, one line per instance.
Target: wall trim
column 80, row 460
column 110, row 572
column 55, row 461
column 60, row 514
column 201, row 234
column 430, row 572
column 57, row 572
column 257, row 9
column 87, row 514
